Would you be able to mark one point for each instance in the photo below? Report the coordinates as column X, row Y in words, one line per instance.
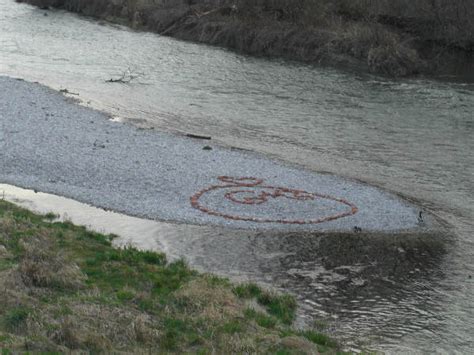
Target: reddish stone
column 276, row 192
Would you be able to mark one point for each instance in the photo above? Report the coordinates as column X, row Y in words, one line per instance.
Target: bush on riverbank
column 396, row 37
column 64, row 288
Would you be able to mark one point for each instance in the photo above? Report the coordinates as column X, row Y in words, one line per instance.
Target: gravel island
column 51, row 144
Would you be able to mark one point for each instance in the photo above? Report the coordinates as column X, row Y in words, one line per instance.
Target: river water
column 414, row 137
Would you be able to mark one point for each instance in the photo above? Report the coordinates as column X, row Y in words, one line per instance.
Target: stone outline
column 263, row 197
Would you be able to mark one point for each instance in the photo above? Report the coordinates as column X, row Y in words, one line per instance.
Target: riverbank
column 67, row 289
column 395, row 40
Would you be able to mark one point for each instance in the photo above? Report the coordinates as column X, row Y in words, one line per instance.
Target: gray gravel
column 50, row 144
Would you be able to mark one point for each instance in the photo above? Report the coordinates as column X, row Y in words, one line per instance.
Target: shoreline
column 387, row 252
column 67, row 289
column 379, row 44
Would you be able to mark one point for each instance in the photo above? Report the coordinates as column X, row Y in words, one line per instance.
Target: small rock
column 206, row 147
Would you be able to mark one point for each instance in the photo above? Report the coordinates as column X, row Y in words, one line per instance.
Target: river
column 412, row 136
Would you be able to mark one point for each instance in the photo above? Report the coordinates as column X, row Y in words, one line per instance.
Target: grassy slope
column 64, row 288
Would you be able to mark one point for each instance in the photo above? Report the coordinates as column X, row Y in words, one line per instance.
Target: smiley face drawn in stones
column 251, row 191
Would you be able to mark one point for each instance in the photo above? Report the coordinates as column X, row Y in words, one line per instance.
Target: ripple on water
column 410, row 136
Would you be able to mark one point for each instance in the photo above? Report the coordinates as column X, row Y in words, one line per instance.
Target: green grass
column 260, row 318
column 15, row 318
column 318, row 338
column 232, row 327
column 82, row 294
column 51, row 216
column 282, row 307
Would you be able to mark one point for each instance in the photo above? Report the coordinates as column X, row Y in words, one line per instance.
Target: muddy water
column 414, row 137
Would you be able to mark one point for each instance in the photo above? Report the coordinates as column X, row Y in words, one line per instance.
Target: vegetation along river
column 413, row 137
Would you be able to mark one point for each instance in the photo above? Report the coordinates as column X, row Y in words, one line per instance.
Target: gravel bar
column 51, row 144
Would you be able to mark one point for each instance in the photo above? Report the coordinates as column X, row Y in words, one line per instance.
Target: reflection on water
column 413, row 137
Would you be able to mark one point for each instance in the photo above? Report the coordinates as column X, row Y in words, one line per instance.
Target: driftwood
column 126, row 77
column 197, row 136
column 66, row 91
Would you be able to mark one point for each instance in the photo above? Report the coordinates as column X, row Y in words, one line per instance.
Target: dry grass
column 40, row 266
column 398, row 37
column 66, row 289
column 200, row 298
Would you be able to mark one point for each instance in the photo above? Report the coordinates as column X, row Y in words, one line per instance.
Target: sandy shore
column 53, row 145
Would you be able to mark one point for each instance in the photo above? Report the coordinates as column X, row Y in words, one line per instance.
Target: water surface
column 413, row 137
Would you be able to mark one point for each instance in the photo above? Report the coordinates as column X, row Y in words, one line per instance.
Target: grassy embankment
column 65, row 288
column 394, row 37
